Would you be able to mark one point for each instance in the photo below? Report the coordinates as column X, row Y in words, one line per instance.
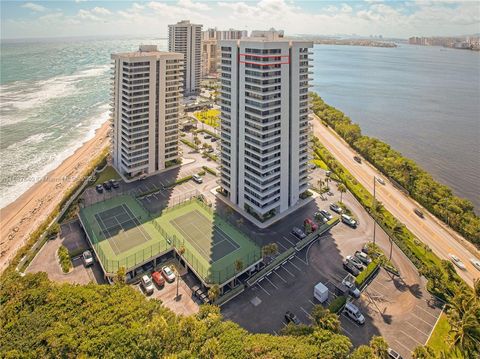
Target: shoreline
column 21, row 217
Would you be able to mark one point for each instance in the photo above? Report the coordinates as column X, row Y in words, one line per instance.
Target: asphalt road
column 441, row 239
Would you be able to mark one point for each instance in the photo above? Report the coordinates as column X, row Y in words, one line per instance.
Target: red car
column 312, row 224
column 158, row 279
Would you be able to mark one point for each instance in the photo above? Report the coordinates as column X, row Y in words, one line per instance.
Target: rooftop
column 146, row 51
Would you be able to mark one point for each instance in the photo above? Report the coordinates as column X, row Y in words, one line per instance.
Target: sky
column 401, row 19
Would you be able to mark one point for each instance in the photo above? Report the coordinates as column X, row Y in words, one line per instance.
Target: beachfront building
column 264, row 122
column 147, row 90
column 210, row 53
column 186, row 38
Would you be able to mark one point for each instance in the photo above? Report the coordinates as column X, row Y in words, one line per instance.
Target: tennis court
column 121, row 228
column 209, row 240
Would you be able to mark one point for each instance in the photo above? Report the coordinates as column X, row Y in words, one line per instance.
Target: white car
column 147, row 284
column 197, row 178
column 380, row 180
column 475, row 262
column 457, row 261
column 87, row 258
column 168, row 274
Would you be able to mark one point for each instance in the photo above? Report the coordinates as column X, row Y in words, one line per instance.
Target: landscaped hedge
column 209, row 170
column 64, row 259
column 189, row 144
column 458, row 213
column 366, row 273
column 337, row 304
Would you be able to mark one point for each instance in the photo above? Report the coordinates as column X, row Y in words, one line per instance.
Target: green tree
column 214, row 293
column 296, row 330
column 325, row 319
column 342, row 189
column 379, row 347
column 120, row 276
column 363, row 352
column 269, row 249
column 423, row 352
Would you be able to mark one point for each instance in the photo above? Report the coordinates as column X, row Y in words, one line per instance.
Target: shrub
column 201, row 173
column 210, row 170
column 366, row 273
column 64, row 259
column 306, row 194
column 337, row 304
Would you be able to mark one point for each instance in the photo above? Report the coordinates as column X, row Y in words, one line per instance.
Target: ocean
column 424, row 101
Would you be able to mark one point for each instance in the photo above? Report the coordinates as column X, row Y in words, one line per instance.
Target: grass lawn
column 439, row 339
column 209, row 117
column 108, row 173
column 321, row 164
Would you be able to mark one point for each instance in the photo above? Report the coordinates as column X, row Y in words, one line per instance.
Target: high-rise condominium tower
column 186, row 38
column 147, row 90
column 264, row 122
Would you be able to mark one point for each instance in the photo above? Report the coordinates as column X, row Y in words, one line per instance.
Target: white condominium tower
column 186, row 38
column 264, row 122
column 147, row 90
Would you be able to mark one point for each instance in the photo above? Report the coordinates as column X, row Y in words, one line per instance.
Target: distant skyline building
column 210, row 53
column 186, row 38
column 147, row 90
column 265, row 128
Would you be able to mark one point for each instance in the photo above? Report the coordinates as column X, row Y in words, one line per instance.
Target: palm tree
column 238, row 267
column 120, row 276
column 269, row 249
column 214, row 293
column 181, row 251
column 379, row 347
column 342, row 189
column 325, row 319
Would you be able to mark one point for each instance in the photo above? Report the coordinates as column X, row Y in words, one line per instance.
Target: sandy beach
column 20, row 218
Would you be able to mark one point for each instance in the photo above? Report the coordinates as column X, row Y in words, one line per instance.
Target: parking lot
column 399, row 309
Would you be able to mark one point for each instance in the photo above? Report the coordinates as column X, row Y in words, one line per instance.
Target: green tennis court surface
column 124, row 235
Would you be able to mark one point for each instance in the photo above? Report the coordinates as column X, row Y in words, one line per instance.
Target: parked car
column 326, row 214
column 210, row 150
column 320, row 218
column 393, row 354
column 364, row 258
column 355, row 261
column 352, row 311
column 418, row 212
column 350, row 268
column 147, row 284
column 158, row 279
column 291, row 318
column 197, row 178
column 297, row 232
column 380, row 180
column 336, row 208
column 99, row 188
column 349, row 221
column 457, row 261
column 87, row 258
column 312, row 224
column 207, row 136
column 357, row 159
column 328, row 173
column 214, row 139
column 107, row 185
column 168, row 274
column 114, row 183
column 352, row 288
column 475, row 262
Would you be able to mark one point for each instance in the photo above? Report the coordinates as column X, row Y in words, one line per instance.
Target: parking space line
column 307, row 313
column 382, row 285
column 351, row 320
column 284, row 281
column 311, row 302
column 281, row 245
column 148, row 199
column 301, row 260
column 408, row 349
column 271, row 282
column 423, row 320
column 294, row 266
column 346, row 331
column 415, row 340
column 289, row 241
column 421, row 331
column 283, row 267
column 263, row 288
column 434, row 317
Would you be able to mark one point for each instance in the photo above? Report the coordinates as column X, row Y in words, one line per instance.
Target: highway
column 441, row 239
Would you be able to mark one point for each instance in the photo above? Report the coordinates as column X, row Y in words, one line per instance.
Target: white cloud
column 189, row 4
column 100, row 11
column 34, row 7
column 87, row 15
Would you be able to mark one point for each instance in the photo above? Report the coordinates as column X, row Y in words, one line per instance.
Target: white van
column 354, row 313
column 320, row 292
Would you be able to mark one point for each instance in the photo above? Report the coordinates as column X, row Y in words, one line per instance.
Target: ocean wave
column 20, row 97
column 13, row 185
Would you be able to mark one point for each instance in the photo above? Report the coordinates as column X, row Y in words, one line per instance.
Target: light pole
column 374, row 208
